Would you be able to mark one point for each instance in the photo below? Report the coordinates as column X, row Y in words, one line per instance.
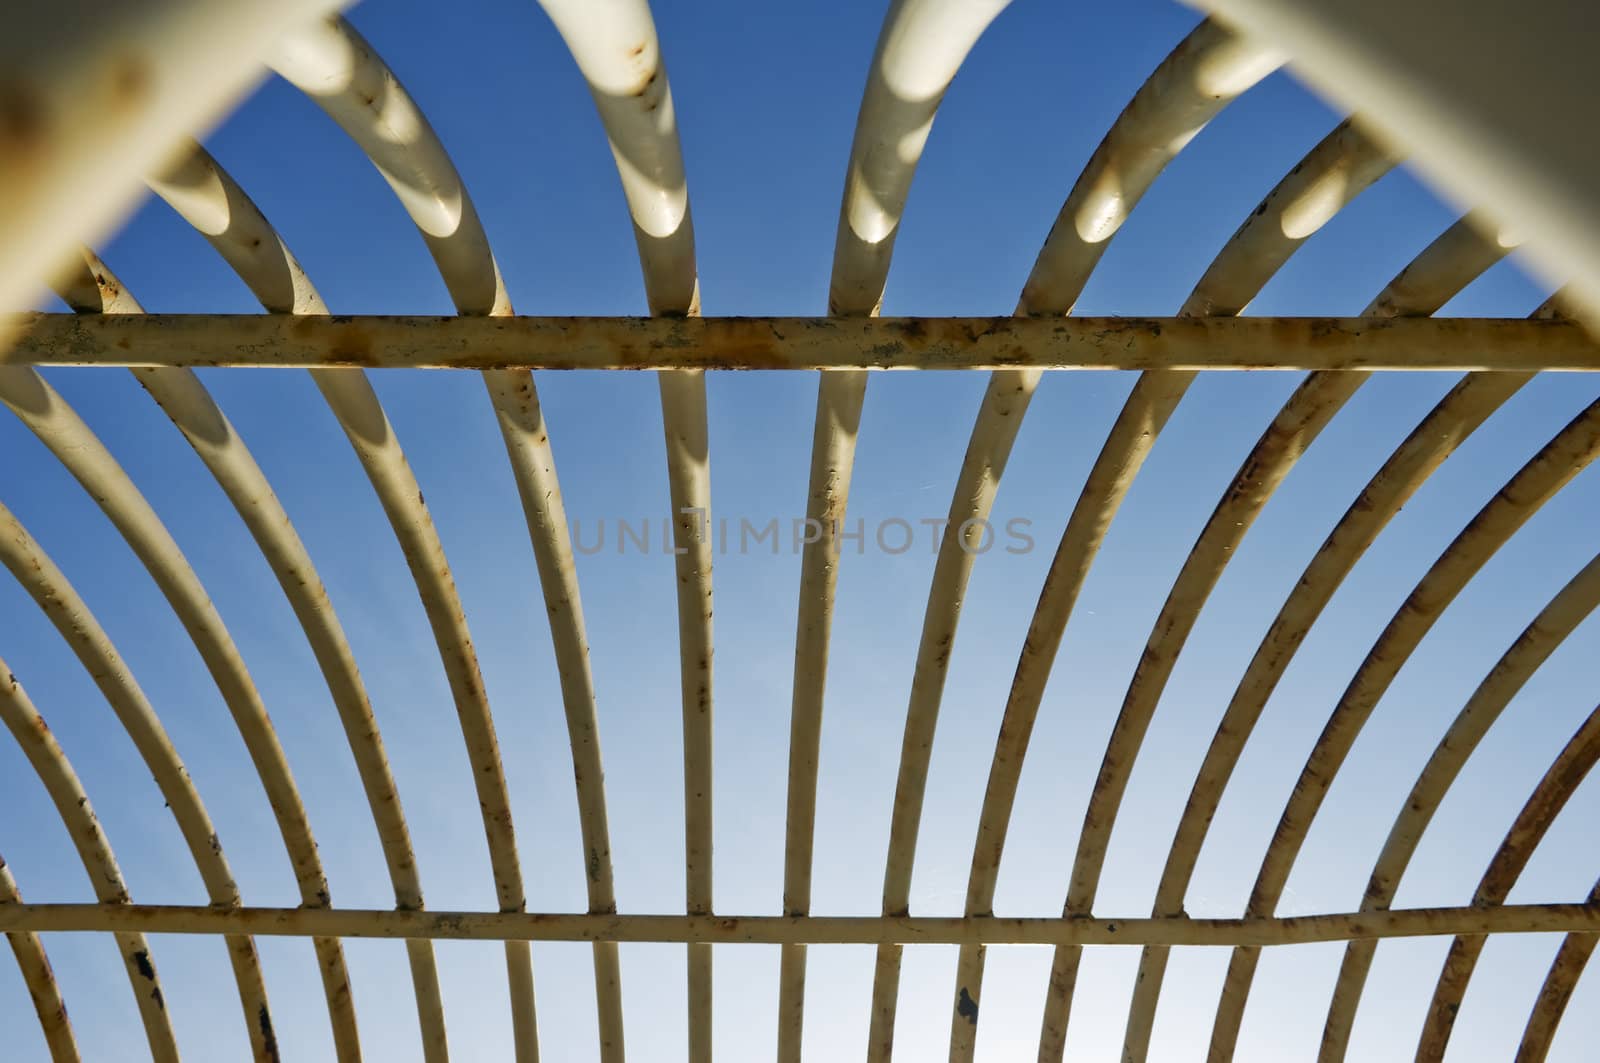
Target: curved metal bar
column 40, row 981
column 31, row 398
column 1205, row 71
column 92, row 288
column 49, row 761
column 619, row 55
column 1569, row 769
column 342, row 73
column 208, row 198
column 1440, row 271
column 46, row 584
column 1562, row 979
column 920, row 48
column 1541, row 638
column 1208, row 70
column 1538, row 481
column 1334, row 172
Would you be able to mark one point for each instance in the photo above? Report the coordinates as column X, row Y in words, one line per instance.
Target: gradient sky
column 766, row 97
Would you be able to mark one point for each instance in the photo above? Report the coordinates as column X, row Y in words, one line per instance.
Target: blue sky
column 766, row 99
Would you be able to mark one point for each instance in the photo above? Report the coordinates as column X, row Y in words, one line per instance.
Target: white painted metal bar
column 206, row 196
column 91, row 288
column 1538, row 481
column 49, row 588
column 40, row 981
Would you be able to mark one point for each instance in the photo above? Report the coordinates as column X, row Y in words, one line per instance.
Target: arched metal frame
column 920, row 49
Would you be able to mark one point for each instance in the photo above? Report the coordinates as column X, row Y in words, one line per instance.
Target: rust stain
column 353, row 344
column 22, row 120
column 129, row 77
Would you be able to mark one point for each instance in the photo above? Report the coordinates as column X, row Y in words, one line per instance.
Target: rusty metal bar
column 206, row 196
column 1541, row 638
column 617, row 51
column 92, row 288
column 836, row 344
column 40, row 981
column 1440, row 271
column 1264, row 932
column 49, row 588
column 1565, row 774
column 1536, row 483
column 1565, row 970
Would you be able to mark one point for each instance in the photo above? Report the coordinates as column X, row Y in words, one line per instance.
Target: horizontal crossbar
column 801, row 343
column 815, row 930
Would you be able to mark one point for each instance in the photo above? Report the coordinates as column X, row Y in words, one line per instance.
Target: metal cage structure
column 921, row 47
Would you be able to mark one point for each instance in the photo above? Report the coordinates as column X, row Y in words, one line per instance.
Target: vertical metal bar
column 920, row 48
column 616, row 49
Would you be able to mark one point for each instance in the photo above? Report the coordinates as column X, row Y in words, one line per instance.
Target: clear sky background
column 766, row 97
